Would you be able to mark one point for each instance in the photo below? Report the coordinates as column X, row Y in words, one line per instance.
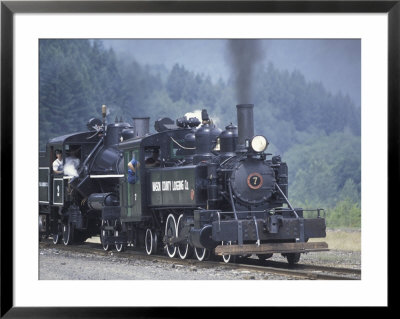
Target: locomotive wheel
column 57, row 237
column 104, row 234
column 150, row 242
column 170, row 232
column 201, row 253
column 119, row 247
column 68, row 234
column 183, row 249
column 293, row 258
column 228, row 258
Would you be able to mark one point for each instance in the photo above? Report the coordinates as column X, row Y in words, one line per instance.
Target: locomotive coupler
column 273, row 223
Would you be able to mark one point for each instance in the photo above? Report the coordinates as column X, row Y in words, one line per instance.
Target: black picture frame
column 9, row 8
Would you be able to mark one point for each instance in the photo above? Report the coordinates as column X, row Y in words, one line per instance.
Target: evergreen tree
column 316, row 132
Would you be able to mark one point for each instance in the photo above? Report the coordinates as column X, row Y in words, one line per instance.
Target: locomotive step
column 271, row 248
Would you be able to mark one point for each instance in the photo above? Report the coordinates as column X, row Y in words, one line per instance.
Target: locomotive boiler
column 197, row 191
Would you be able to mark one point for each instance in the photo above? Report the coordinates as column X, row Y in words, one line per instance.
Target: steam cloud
column 197, row 113
column 70, row 167
column 243, row 56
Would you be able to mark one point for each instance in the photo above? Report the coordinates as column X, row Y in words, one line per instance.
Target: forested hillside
column 317, row 133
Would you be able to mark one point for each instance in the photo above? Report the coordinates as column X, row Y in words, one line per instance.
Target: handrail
column 232, row 202
column 287, row 201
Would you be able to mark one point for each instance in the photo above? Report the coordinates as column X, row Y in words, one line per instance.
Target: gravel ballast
column 59, row 264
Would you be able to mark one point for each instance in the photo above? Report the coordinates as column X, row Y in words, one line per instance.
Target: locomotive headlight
column 259, row 143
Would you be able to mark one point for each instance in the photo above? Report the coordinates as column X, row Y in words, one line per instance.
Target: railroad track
column 301, row 271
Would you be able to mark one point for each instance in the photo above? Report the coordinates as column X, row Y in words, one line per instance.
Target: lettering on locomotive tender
column 167, row 186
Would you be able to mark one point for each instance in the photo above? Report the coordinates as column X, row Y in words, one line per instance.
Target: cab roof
column 78, row 138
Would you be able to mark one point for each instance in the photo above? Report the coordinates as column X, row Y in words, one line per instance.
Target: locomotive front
column 247, row 192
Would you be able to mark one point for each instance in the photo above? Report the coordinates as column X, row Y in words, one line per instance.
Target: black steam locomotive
column 196, row 189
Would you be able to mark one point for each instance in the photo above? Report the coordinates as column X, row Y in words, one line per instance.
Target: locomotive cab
column 55, row 195
column 70, row 203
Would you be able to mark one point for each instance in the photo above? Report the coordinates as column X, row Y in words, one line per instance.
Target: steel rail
column 299, row 270
column 278, row 264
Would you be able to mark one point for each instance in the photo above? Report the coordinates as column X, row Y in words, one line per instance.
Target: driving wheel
column 170, row 233
column 183, row 248
column 68, row 234
column 150, row 242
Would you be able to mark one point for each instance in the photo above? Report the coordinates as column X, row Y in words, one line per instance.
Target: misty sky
column 336, row 63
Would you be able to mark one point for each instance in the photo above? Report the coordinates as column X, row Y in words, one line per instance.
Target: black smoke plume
column 244, row 55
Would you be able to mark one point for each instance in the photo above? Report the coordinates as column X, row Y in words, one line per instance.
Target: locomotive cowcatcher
column 208, row 192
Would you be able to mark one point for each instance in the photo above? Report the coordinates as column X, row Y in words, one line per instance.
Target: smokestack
column 141, row 126
column 245, row 122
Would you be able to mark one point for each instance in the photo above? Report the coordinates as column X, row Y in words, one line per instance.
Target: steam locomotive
column 208, row 192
